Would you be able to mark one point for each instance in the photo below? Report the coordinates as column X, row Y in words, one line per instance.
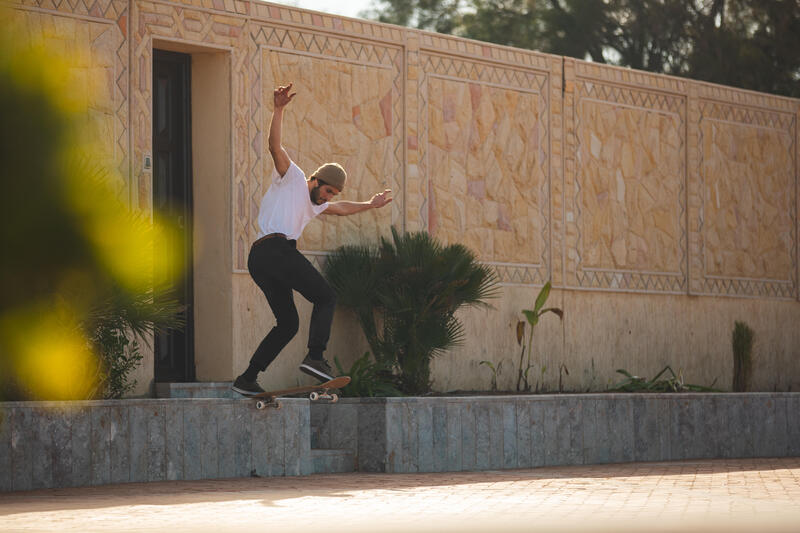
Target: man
column 276, row 266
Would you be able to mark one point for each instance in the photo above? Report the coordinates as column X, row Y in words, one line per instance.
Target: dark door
column 172, row 199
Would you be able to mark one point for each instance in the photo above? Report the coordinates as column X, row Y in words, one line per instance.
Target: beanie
column 331, row 173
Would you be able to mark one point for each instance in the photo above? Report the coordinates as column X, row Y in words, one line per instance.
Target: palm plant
column 405, row 293
column 117, row 324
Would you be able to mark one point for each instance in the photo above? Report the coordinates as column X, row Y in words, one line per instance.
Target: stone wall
column 633, row 192
column 403, row 435
column 75, row 444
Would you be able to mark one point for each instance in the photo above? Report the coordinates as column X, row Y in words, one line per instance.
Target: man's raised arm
column 281, row 98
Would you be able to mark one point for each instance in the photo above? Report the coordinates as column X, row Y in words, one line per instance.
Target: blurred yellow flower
column 51, row 358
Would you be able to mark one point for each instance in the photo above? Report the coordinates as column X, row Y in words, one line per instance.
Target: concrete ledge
column 494, row 432
column 69, row 444
column 209, row 389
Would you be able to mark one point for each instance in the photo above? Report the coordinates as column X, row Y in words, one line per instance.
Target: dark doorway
column 172, row 199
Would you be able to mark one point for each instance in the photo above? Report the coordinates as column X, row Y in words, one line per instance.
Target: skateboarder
column 276, row 266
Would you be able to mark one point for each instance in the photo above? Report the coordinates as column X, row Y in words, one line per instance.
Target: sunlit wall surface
column 662, row 209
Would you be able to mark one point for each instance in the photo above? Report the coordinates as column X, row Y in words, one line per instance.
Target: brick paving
column 706, row 495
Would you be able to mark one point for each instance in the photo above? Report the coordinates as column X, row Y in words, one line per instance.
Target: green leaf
column 542, row 298
column 532, row 317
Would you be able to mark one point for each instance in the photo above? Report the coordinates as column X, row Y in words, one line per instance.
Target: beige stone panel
column 87, row 50
column 748, row 230
column 631, row 176
column 482, row 162
column 343, row 113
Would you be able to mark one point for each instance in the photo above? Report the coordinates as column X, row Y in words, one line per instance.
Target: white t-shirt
column 287, row 207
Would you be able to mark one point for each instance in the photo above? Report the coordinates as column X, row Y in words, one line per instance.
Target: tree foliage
column 750, row 44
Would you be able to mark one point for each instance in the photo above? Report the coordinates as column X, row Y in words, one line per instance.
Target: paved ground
column 760, row 495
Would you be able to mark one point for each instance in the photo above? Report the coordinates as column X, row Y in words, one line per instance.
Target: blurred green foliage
column 77, row 265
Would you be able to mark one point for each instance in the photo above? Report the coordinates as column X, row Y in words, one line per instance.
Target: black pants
column 278, row 268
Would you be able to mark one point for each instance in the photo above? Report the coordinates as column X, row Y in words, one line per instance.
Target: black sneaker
column 246, row 388
column 317, row 368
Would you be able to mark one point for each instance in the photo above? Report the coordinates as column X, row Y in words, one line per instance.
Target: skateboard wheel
column 260, row 404
column 314, row 396
column 334, row 398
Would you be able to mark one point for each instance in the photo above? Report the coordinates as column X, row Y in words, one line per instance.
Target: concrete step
column 332, row 461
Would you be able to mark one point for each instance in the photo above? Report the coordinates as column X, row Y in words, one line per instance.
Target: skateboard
column 316, row 392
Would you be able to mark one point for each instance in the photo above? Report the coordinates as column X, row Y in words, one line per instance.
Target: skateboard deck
column 316, row 392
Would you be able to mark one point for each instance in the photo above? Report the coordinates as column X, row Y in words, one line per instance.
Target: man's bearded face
column 322, row 192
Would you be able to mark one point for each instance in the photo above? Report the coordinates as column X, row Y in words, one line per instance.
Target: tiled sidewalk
column 719, row 495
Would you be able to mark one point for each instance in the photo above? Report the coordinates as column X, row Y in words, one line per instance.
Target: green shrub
column 673, row 383
column 405, row 293
column 118, row 358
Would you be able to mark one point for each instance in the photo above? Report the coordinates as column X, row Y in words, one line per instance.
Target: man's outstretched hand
column 281, row 96
column 381, row 199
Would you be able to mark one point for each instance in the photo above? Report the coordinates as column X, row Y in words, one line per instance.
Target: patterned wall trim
column 289, row 16
column 626, row 76
column 112, row 10
column 741, row 97
column 477, row 51
column 242, row 7
column 636, row 99
column 284, row 14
